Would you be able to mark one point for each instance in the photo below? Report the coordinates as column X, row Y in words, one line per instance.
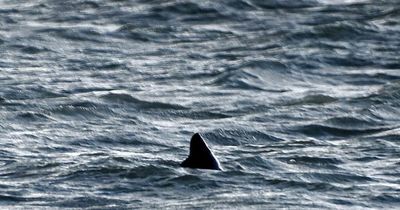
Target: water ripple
column 298, row 100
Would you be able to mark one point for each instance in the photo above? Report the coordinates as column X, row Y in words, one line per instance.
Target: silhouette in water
column 200, row 156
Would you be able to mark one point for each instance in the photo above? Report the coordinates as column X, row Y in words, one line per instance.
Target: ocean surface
column 299, row 101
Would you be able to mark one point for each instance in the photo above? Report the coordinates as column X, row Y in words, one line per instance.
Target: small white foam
column 338, row 2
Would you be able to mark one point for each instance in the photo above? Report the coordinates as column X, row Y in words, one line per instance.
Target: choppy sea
column 299, row 101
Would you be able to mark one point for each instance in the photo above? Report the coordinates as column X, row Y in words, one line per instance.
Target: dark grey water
column 299, row 100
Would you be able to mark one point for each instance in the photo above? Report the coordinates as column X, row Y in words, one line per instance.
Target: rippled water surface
column 299, row 100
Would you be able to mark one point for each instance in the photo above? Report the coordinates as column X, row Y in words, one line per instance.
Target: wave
column 330, row 163
column 92, row 202
column 17, row 94
column 283, row 4
column 189, row 12
column 256, row 162
column 194, row 114
column 13, row 198
column 317, row 99
column 387, row 198
column 103, row 141
column 85, row 109
column 235, row 137
column 74, row 34
column 266, row 75
column 138, row 172
column 33, row 116
column 343, row 127
column 317, row 130
column 310, row 186
column 142, row 104
column 30, row 49
column 145, row 34
column 337, row 177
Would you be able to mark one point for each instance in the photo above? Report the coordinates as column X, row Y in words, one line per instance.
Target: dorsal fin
column 200, row 156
